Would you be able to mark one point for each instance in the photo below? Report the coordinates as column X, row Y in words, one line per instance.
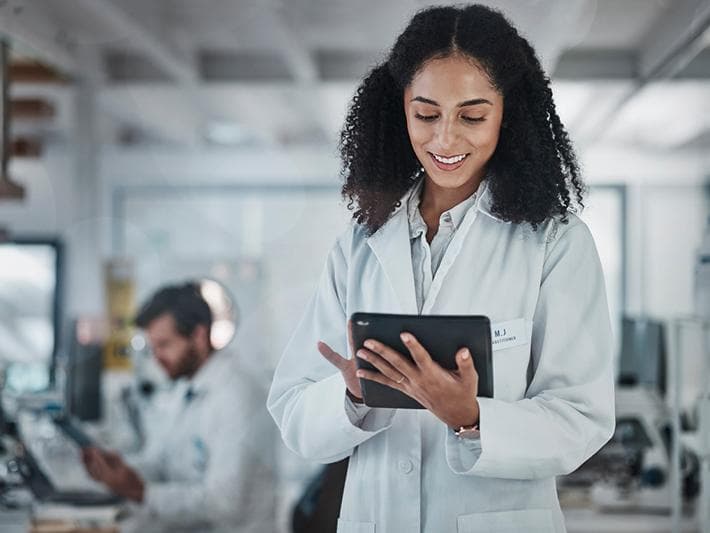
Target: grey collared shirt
column 427, row 257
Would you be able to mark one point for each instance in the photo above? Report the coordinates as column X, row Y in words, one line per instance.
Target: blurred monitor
column 83, row 375
column 29, row 311
column 643, row 353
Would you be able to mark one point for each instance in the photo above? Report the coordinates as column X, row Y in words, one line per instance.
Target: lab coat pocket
column 528, row 520
column 511, row 356
column 346, row 526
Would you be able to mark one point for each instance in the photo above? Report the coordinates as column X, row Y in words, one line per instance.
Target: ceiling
column 275, row 73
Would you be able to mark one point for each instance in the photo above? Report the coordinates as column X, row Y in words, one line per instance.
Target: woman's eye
column 425, row 118
column 473, row 119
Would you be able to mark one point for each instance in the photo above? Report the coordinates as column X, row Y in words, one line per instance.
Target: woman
column 464, row 184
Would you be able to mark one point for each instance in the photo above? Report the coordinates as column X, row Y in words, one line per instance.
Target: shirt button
column 405, row 466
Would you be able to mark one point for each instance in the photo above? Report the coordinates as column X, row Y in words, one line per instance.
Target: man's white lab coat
column 553, row 395
column 211, row 469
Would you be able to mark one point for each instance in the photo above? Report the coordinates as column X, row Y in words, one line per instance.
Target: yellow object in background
column 120, row 302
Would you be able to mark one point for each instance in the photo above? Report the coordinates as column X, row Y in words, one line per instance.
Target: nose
column 446, row 135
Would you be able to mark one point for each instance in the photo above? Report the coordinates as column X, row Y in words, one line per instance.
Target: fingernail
column 359, row 373
column 369, row 344
column 406, row 337
column 362, row 354
column 465, row 354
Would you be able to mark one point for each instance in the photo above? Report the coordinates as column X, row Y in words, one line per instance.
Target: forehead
column 162, row 326
column 452, row 79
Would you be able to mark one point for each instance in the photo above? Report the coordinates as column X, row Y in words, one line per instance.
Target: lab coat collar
column 391, row 245
column 209, row 373
column 484, row 202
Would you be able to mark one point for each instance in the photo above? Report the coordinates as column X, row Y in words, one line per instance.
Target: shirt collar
column 479, row 199
column 483, row 203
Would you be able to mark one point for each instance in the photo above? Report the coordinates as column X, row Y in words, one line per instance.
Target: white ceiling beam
column 672, row 43
column 142, row 38
column 29, row 30
column 675, row 40
column 299, row 61
column 302, row 66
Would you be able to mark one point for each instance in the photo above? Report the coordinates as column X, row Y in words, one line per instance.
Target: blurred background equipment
column 121, row 307
column 176, row 140
column 30, row 311
column 82, row 367
column 9, row 190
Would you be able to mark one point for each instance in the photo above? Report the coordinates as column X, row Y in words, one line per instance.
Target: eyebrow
column 473, row 101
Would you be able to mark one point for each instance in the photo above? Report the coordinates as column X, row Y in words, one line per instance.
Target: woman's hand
column 347, row 367
column 449, row 394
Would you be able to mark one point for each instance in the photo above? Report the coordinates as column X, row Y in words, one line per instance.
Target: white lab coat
column 553, row 395
column 212, row 468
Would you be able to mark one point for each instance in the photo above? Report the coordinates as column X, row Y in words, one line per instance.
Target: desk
column 36, row 519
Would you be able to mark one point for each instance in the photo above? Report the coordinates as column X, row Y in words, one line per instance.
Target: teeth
column 449, row 160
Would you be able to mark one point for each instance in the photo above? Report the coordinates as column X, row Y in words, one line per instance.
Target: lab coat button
column 405, row 466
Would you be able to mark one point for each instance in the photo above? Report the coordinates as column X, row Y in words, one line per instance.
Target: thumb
column 87, row 456
column 464, row 363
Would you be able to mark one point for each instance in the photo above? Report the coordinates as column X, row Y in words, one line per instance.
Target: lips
column 448, row 163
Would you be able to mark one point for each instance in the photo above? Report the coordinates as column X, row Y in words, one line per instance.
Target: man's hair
column 183, row 302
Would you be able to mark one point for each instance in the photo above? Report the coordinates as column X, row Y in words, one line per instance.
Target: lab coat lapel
column 391, row 246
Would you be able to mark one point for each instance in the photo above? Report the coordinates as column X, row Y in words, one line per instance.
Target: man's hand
column 110, row 469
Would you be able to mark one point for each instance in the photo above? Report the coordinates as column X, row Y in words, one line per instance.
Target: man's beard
column 188, row 364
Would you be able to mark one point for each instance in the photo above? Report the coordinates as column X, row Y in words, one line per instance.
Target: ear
column 201, row 336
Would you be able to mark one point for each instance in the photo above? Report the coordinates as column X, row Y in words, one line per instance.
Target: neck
column 436, row 199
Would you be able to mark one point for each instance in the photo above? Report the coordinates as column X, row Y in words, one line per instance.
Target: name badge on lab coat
column 509, row 334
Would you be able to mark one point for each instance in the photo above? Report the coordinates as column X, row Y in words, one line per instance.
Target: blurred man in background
column 209, row 468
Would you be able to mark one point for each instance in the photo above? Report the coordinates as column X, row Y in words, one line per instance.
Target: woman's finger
column 382, row 365
column 332, row 356
column 350, row 337
column 378, row 377
column 393, row 357
column 418, row 352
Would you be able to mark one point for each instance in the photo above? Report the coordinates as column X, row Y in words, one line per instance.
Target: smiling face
column 454, row 116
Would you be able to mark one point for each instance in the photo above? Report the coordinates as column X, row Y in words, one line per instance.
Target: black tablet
column 441, row 335
column 72, row 429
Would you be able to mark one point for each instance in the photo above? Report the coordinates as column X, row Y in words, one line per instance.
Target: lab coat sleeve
column 307, row 398
column 235, row 481
column 568, row 410
column 148, row 462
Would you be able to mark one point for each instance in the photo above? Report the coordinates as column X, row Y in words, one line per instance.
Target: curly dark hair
column 534, row 173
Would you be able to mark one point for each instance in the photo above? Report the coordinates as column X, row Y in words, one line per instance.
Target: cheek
column 419, row 133
column 485, row 139
column 175, row 353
